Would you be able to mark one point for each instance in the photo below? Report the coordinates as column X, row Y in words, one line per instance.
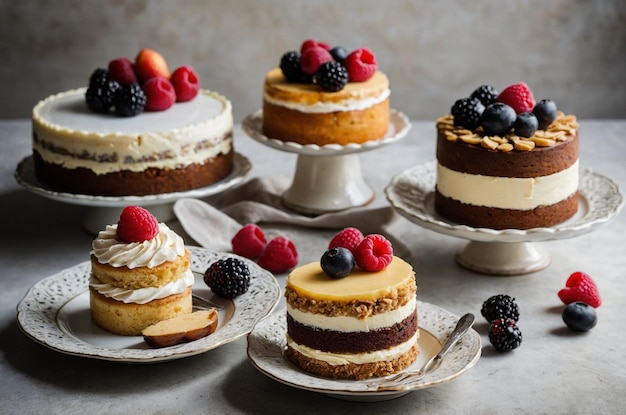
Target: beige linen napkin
column 213, row 223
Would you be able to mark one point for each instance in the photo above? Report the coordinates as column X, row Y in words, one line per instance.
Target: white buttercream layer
column 507, row 192
column 143, row 295
column 336, row 359
column 349, row 324
column 348, row 104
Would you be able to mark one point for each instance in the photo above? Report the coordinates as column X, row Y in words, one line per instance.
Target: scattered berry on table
column 136, row 224
column 249, row 241
column 486, row 94
column 517, row 96
column 580, row 287
column 500, row 306
column 129, row 100
column 498, row 119
column 504, row 334
column 228, row 277
column 525, row 124
column 290, row 66
column 546, row 112
column 339, row 53
column 160, row 94
column 580, row 316
column 312, row 58
column 348, row 238
column 337, row 262
column 122, row 71
column 361, row 65
column 331, row 76
column 467, row 112
column 279, row 255
column 374, row 253
column 185, row 82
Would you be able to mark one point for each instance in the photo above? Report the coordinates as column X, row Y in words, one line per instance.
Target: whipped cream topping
column 349, row 104
column 167, row 245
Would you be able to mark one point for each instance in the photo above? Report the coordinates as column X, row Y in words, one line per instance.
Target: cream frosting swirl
column 167, row 245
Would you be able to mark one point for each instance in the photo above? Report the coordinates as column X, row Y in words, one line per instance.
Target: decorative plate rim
column 37, row 313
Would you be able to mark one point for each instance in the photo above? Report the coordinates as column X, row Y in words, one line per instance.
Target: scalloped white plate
column 55, row 313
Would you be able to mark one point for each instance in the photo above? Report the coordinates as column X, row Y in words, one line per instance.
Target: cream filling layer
column 349, row 104
column 143, row 295
column 352, row 324
column 336, row 359
column 507, row 192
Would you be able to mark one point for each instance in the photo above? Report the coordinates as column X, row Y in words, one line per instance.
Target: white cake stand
column 104, row 210
column 327, row 178
column 509, row 251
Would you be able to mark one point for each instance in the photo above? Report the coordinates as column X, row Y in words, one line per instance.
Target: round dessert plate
column 55, row 313
column 508, row 251
column 106, row 209
column 266, row 345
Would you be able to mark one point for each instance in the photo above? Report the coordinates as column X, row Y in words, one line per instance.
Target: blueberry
column 525, row 124
column 339, row 53
column 580, row 316
column 337, row 262
column 545, row 111
column 498, row 119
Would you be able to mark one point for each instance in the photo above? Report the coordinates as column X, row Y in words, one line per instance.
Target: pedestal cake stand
column 103, row 210
column 508, row 251
column 327, row 178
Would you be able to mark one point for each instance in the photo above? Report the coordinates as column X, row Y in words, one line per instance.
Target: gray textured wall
column 572, row 51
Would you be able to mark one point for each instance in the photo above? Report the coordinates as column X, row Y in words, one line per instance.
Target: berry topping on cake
column 546, row 112
column 122, row 71
column 186, row 83
column 228, row 277
column 331, row 76
column 580, row 287
column 339, row 54
column 374, row 253
column 136, row 224
column 500, row 306
column 486, row 94
column 150, row 64
column 525, row 124
column 348, row 238
column 337, row 262
column 101, row 91
column 517, row 96
column 498, row 119
column 504, row 334
column 361, row 65
column 129, row 100
column 312, row 58
column 579, row 316
column 160, row 94
column 309, row 43
column 249, row 241
column 467, row 112
column 279, row 255
column 290, row 65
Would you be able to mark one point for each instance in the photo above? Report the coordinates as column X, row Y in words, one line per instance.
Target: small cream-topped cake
column 79, row 151
column 355, row 327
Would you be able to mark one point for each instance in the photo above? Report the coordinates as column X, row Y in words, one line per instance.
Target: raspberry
column 331, row 76
column 348, row 238
column 580, row 287
column 129, row 100
column 228, row 277
column 500, row 306
column 486, row 94
column 279, row 255
column 249, row 241
column 467, row 112
column 122, row 71
column 517, row 96
column 309, row 43
column 374, row 253
column 185, row 82
column 312, row 58
column 290, row 65
column 136, row 224
column 504, row 334
column 361, row 65
column 160, row 94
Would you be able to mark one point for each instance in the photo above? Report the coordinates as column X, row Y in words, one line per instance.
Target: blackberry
column 467, row 112
column 99, row 98
column 504, row 334
column 290, row 65
column 98, row 77
column 498, row 119
column 331, row 76
column 486, row 94
column 228, row 277
column 525, row 124
column 500, row 306
column 129, row 100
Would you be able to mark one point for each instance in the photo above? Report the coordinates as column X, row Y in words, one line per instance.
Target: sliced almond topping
column 450, row 136
column 506, row 147
column 489, row 143
column 543, row 142
column 470, row 139
column 524, row 145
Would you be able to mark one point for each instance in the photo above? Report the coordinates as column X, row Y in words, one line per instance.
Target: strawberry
column 136, row 224
column 361, row 65
column 280, row 255
column 580, row 287
column 312, row 58
column 122, row 71
column 517, row 96
column 249, row 241
column 160, row 94
column 348, row 238
column 149, row 64
column 374, row 253
column 186, row 83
